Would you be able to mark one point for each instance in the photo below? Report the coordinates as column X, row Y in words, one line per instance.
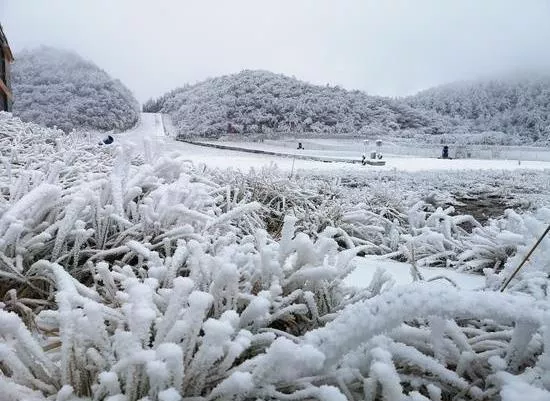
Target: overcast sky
column 382, row 46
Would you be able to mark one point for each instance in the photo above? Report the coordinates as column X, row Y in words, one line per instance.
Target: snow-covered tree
column 260, row 101
column 58, row 88
column 516, row 106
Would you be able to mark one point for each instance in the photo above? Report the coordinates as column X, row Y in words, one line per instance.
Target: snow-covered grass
column 130, row 273
column 407, row 218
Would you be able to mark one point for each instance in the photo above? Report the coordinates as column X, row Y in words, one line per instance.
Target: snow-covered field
column 244, row 161
column 399, row 162
column 146, row 270
column 352, row 147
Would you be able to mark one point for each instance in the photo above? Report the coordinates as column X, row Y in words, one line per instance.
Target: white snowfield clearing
column 151, row 128
column 400, row 162
column 401, row 273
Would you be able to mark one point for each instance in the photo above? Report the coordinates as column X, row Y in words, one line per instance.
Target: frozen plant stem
column 525, row 259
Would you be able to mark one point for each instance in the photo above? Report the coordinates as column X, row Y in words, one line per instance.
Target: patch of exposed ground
column 485, row 205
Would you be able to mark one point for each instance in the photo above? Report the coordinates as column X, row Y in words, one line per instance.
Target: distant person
column 300, row 145
column 107, row 141
column 445, row 154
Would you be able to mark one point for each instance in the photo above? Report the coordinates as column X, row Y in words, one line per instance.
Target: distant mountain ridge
column 509, row 110
column 55, row 87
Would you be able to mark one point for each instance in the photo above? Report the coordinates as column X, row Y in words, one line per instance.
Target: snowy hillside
column 58, row 88
column 262, row 103
column 507, row 111
column 132, row 274
column 510, row 109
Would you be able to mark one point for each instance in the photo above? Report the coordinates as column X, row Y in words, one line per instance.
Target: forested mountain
column 509, row 110
column 58, row 88
column 517, row 106
column 261, row 102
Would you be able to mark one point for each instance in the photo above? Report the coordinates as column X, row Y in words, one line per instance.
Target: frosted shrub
column 533, row 278
column 173, row 290
column 379, row 219
column 428, row 235
column 382, row 217
column 438, row 238
column 313, row 202
column 57, row 207
column 182, row 322
column 31, row 154
column 423, row 342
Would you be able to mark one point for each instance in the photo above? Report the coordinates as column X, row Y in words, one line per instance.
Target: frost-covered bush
column 135, row 336
column 314, row 203
column 39, row 153
column 381, row 216
column 533, row 278
column 58, row 88
column 120, row 233
column 181, row 322
column 418, row 217
column 67, row 210
column 422, row 341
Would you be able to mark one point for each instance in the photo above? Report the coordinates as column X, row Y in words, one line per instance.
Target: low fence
column 354, row 147
column 472, row 151
column 270, row 153
column 488, row 152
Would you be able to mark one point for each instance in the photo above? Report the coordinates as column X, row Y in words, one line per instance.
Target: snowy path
column 150, row 125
